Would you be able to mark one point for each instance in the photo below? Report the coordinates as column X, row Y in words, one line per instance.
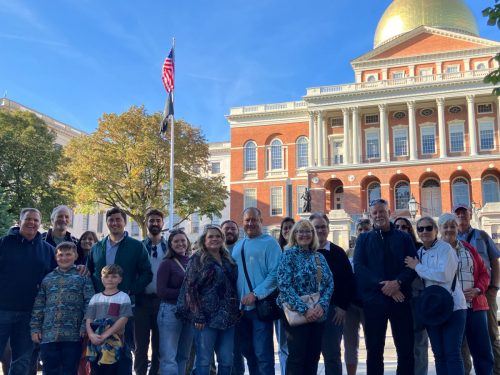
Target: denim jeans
column 176, row 338
column 376, row 318
column 330, row 345
column 125, row 361
column 16, row 326
column 146, row 313
column 478, row 339
column 209, row 340
column 279, row 329
column 446, row 342
column 61, row 358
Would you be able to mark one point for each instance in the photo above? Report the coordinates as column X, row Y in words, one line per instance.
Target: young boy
column 57, row 317
column 106, row 318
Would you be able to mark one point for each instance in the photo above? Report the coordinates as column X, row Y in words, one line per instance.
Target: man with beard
column 231, row 231
column 60, row 219
column 384, row 287
column 147, row 304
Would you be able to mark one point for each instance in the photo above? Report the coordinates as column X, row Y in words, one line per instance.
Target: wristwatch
column 494, row 287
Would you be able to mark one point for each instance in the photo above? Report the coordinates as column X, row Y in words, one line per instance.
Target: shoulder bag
column 267, row 308
column 295, row 318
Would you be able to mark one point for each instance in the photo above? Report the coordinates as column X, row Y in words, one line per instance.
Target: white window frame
column 269, row 155
column 456, row 125
column 396, row 185
column 484, row 104
column 248, row 199
column 395, row 130
column 331, row 141
column 368, row 191
column 371, row 134
column 372, row 77
column 212, row 167
column 422, row 129
column 337, row 122
column 372, row 114
column 490, row 123
column 428, row 72
column 299, row 192
column 402, row 72
column 245, row 170
column 453, row 192
column 482, row 186
column 454, row 66
column 297, row 156
column 276, row 192
column 484, row 62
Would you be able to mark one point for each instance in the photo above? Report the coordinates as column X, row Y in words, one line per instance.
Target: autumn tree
column 125, row 163
column 6, row 217
column 29, row 162
column 493, row 14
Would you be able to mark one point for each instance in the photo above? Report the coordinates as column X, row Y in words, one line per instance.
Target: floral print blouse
column 297, row 277
column 208, row 293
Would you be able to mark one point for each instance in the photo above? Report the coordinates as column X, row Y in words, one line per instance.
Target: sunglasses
column 402, row 227
column 154, row 251
column 427, row 228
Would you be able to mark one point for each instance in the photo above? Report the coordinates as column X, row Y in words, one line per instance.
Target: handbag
column 295, row 318
column 267, row 308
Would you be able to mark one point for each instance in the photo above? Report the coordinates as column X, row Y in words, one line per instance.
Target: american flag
column 168, row 72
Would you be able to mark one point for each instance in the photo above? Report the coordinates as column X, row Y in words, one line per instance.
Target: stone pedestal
column 489, row 220
column 340, row 227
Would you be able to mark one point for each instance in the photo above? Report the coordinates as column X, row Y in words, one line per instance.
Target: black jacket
column 370, row 268
column 343, row 277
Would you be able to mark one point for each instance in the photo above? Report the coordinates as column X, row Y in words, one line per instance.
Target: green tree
column 126, row 163
column 493, row 14
column 29, row 162
column 6, row 217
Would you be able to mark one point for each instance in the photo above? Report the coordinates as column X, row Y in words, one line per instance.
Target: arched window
column 302, row 151
column 460, row 191
column 373, row 192
column 276, row 154
column 402, row 195
column 250, row 151
column 491, row 191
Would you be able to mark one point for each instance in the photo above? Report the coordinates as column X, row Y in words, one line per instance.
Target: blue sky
column 77, row 59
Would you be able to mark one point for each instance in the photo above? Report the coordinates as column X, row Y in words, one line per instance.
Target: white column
column 441, row 127
column 498, row 114
column 412, row 130
column 471, row 116
column 467, row 65
column 411, row 70
column 355, row 135
column 347, row 145
column 321, row 140
column 312, row 141
column 384, row 132
column 384, row 74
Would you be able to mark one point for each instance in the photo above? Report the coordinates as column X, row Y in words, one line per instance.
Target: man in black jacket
column 384, row 287
column 343, row 292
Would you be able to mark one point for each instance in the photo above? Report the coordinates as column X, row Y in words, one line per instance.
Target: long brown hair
column 202, row 249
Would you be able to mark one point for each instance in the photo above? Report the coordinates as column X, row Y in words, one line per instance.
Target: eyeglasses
column 378, row 201
column 303, row 232
column 154, row 251
column 402, row 227
column 321, row 227
column 427, row 228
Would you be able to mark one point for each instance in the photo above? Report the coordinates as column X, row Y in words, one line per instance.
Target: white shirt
column 155, row 264
column 326, row 247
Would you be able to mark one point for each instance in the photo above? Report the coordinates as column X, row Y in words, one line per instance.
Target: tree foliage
column 29, row 162
column 126, row 163
column 493, row 14
column 6, row 217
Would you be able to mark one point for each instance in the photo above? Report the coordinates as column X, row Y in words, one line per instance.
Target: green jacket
column 131, row 256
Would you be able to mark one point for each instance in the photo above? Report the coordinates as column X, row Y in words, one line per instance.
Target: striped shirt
column 112, row 307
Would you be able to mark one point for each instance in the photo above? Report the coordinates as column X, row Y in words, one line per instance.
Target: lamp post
column 413, row 207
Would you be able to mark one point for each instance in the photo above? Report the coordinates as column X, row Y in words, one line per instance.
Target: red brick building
column 418, row 120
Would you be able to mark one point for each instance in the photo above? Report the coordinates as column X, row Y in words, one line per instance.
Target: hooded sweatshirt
column 23, row 265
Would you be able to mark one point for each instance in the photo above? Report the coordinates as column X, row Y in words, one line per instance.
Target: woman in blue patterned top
column 208, row 299
column 297, row 276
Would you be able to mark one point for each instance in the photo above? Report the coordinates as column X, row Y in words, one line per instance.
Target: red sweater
column 481, row 279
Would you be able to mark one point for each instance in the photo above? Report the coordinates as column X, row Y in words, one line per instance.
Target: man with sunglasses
column 147, row 304
column 384, row 287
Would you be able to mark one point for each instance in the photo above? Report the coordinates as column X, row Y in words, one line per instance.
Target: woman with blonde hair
column 304, row 271
column 208, row 300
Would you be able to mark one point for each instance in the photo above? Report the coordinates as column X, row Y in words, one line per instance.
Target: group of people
column 84, row 306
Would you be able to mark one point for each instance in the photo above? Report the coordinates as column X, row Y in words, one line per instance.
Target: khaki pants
column 491, row 295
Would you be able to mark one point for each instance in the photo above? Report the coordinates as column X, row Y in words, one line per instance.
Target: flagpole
column 171, row 197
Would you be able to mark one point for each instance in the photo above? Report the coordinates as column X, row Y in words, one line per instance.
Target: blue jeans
column 446, row 341
column 125, row 361
column 330, row 344
column 206, row 341
column 478, row 339
column 61, row 358
column 257, row 342
column 16, row 326
column 176, row 338
column 279, row 329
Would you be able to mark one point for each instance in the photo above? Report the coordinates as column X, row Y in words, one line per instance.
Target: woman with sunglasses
column 474, row 279
column 437, row 264
column 209, row 302
column 176, row 336
column 300, row 270
column 420, row 338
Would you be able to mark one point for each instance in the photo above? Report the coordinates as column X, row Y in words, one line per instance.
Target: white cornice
column 420, row 30
column 263, row 119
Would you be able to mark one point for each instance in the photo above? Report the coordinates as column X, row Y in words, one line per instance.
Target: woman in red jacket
column 474, row 279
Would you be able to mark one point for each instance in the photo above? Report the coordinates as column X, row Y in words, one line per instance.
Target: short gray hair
column 59, row 208
column 24, row 211
column 447, row 217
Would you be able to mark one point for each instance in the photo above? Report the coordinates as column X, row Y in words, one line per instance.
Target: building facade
column 417, row 121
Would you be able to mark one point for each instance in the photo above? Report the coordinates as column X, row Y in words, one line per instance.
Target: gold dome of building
column 405, row 15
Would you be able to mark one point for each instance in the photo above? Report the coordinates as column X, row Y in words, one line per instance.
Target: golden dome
column 405, row 15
